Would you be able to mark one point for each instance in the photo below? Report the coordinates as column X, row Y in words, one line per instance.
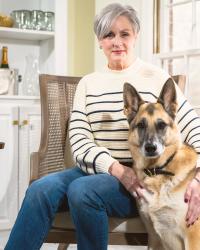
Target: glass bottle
column 4, row 60
column 30, row 84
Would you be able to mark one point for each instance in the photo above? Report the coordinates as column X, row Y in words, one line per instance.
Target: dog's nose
column 150, row 148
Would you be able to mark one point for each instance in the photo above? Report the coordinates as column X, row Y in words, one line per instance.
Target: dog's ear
column 132, row 101
column 168, row 98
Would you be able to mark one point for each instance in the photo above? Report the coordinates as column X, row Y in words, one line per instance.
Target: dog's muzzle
column 150, row 148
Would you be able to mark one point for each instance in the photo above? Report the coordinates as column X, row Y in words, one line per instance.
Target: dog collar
column 157, row 170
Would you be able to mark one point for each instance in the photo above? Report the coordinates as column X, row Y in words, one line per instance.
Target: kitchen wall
column 80, row 37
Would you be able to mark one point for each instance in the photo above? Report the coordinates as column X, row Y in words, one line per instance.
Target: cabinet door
column 9, row 166
column 29, row 140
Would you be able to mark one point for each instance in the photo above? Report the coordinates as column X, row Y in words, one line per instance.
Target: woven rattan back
column 57, row 94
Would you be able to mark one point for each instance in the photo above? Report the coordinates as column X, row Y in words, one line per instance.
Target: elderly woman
column 102, row 183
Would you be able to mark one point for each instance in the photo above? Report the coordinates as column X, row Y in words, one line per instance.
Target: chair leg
column 62, row 246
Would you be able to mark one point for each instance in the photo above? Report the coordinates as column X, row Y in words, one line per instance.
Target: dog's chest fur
column 163, row 211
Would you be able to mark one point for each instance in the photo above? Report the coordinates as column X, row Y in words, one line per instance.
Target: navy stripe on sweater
column 93, row 103
column 95, row 159
column 190, row 132
column 185, row 115
column 196, row 118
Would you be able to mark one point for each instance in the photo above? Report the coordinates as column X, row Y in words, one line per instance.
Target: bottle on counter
column 4, row 60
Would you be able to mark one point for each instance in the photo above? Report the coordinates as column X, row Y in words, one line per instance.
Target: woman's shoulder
column 149, row 70
column 92, row 80
column 92, row 75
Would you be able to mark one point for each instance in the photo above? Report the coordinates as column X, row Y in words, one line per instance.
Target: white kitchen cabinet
column 20, row 129
column 49, row 47
column 29, row 140
column 20, row 115
column 9, row 166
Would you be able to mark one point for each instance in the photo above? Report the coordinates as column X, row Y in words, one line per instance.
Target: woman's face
column 118, row 44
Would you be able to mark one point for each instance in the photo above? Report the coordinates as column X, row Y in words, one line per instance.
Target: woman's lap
column 77, row 185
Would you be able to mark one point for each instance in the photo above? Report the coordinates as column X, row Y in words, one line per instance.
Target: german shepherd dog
column 165, row 165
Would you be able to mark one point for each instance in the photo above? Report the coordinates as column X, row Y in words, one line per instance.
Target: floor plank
column 73, row 247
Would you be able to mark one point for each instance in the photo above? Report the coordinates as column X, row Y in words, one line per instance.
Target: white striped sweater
column 98, row 127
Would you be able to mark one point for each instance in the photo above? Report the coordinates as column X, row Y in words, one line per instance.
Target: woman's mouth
column 118, row 52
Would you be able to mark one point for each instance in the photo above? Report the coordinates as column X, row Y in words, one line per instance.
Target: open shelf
column 13, row 33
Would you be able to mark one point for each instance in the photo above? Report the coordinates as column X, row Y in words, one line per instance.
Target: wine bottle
column 4, row 61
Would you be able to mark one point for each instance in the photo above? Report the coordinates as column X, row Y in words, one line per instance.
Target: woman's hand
column 128, row 178
column 192, row 197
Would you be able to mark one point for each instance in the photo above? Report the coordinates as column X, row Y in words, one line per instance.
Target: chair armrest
column 34, row 166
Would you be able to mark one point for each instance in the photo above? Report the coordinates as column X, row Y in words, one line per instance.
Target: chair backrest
column 56, row 94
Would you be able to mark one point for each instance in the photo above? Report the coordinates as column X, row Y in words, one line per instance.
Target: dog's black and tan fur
column 165, row 165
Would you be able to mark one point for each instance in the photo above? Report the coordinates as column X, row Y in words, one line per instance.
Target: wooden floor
column 73, row 247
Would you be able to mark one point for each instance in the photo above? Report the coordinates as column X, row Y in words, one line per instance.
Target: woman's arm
column 189, row 124
column 128, row 178
column 88, row 156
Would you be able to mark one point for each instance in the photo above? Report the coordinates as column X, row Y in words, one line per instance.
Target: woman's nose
column 117, row 41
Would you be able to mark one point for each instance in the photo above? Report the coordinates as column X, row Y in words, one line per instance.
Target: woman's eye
column 109, row 35
column 125, row 34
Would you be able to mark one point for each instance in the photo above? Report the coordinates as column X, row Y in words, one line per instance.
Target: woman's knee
column 52, row 187
column 43, row 188
column 81, row 193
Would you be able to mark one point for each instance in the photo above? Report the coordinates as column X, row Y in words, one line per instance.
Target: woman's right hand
column 128, row 178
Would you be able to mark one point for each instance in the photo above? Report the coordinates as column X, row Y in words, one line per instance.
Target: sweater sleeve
column 189, row 123
column 90, row 157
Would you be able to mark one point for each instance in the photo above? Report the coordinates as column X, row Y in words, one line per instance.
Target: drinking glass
column 49, row 20
column 37, row 19
column 25, row 18
column 15, row 14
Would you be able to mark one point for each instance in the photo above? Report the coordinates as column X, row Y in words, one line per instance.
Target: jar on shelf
column 49, row 20
column 25, row 19
column 21, row 18
column 37, row 20
column 16, row 15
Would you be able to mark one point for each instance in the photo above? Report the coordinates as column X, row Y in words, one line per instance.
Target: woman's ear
column 100, row 44
column 136, row 34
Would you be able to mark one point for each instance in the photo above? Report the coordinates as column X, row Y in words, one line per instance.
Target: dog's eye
column 161, row 125
column 141, row 125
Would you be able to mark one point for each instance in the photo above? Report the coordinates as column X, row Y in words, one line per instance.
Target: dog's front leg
column 154, row 242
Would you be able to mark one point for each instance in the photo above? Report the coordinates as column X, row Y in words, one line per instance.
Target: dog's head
column 152, row 125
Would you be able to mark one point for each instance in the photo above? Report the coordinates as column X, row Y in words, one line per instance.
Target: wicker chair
column 54, row 154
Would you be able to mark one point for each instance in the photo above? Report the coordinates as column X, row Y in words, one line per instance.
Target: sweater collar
column 132, row 68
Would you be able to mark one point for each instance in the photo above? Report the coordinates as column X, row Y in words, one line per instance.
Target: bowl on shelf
column 6, row 21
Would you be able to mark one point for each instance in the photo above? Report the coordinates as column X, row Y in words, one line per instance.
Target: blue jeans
column 91, row 199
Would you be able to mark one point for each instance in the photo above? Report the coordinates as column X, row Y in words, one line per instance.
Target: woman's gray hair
column 103, row 21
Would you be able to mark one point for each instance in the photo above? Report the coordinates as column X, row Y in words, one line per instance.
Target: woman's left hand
column 192, row 197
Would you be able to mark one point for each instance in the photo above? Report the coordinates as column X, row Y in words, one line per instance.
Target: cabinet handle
column 24, row 123
column 15, row 122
